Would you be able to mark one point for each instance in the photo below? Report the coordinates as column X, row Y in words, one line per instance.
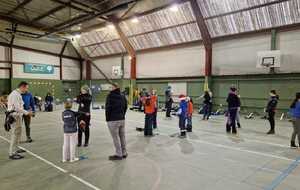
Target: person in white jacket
column 15, row 104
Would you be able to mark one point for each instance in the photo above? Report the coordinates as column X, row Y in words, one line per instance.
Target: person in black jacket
column 233, row 105
column 84, row 100
column 169, row 101
column 115, row 111
column 207, row 103
column 271, row 110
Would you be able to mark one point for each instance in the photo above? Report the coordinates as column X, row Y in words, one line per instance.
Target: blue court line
column 285, row 173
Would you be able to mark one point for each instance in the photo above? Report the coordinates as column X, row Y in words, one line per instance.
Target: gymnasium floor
column 208, row 159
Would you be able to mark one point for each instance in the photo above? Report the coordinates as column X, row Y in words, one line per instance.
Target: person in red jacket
column 154, row 100
column 189, row 114
column 149, row 109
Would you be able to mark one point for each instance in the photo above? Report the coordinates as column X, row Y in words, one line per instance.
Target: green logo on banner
column 38, row 68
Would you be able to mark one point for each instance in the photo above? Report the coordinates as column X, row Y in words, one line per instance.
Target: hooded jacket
column 115, row 106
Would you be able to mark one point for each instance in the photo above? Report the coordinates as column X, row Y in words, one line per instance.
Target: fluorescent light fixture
column 111, row 26
column 174, row 8
column 77, row 36
column 129, row 57
column 135, row 20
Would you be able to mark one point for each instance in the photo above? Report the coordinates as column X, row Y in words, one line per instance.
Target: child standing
column 69, row 118
column 149, row 109
column 271, row 110
column 295, row 112
column 182, row 113
column 189, row 115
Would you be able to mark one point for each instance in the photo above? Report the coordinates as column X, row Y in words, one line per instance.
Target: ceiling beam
column 206, row 38
column 48, row 13
column 19, row 6
column 21, row 22
column 70, row 5
column 247, row 9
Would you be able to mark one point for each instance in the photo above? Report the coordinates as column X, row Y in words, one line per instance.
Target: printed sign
column 38, row 68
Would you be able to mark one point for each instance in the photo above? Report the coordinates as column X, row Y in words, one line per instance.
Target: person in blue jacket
column 29, row 105
column 182, row 113
column 295, row 113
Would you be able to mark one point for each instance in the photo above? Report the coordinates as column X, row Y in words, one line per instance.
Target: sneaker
column 293, row 145
column 74, row 160
column 29, row 140
column 16, row 157
column 63, row 161
column 78, row 145
column 115, row 157
column 86, row 145
column 20, row 151
column 125, row 156
column 271, row 132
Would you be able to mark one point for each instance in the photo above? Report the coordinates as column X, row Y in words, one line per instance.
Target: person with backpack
column 149, row 110
column 190, row 115
column 70, row 128
column 29, row 105
column 271, row 110
column 115, row 111
column 15, row 106
column 182, row 114
column 233, row 102
column 84, row 100
column 295, row 113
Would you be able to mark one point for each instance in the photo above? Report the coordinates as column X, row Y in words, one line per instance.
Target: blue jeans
column 182, row 120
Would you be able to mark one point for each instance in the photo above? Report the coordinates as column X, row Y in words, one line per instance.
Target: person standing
column 15, row 104
column 295, row 113
column 271, row 110
column 115, row 111
column 233, row 105
column 169, row 101
column 49, row 102
column 207, row 104
column 29, row 105
column 149, row 112
column 190, row 115
column 182, row 113
column 84, row 100
column 154, row 100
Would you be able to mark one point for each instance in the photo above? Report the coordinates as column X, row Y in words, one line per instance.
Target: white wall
column 50, row 46
column 2, row 53
column 289, row 44
column 71, row 69
column 32, row 57
column 238, row 56
column 106, row 66
column 182, row 62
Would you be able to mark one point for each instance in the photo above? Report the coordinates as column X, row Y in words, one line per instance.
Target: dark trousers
column 168, row 108
column 182, row 121
column 154, row 119
column 27, row 121
column 148, row 125
column 206, row 111
column 232, row 117
column 272, row 119
column 86, row 131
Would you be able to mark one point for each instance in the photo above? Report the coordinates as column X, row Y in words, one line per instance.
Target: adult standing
column 207, row 104
column 84, row 100
column 29, row 105
column 169, row 101
column 115, row 111
column 233, row 105
column 49, row 102
column 271, row 110
column 295, row 113
column 15, row 104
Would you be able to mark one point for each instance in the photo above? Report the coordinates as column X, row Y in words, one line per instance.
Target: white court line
column 229, row 147
column 55, row 166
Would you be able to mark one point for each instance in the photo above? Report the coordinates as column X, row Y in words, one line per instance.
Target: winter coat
column 84, row 101
column 233, row 101
column 115, row 106
column 69, row 118
column 272, row 104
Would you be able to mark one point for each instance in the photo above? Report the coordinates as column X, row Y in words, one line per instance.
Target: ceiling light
column 77, row 36
column 135, row 20
column 174, row 8
column 111, row 26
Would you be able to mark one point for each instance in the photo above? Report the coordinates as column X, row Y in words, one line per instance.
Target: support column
column 273, row 46
column 88, row 70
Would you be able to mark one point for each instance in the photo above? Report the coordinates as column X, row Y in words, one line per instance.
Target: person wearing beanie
column 149, row 109
column 182, row 113
column 271, row 110
column 84, row 100
column 233, row 102
column 70, row 127
column 115, row 111
column 190, row 114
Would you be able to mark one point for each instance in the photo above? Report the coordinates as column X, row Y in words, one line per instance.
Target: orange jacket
column 154, row 100
column 150, row 108
column 190, row 108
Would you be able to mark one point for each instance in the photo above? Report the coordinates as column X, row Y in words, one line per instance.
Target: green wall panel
column 5, row 86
